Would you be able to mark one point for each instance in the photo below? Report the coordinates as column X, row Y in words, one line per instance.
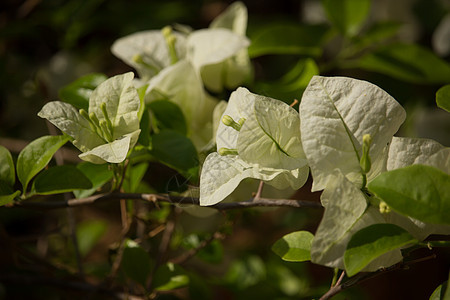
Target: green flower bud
column 384, row 208
column 226, row 151
column 365, row 161
column 171, row 39
column 228, row 121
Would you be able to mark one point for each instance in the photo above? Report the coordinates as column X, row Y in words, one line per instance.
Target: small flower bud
column 384, row 208
column 228, row 121
column 227, row 151
column 84, row 114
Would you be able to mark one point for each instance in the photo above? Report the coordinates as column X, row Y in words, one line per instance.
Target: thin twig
column 175, row 200
column 164, row 245
column 340, row 286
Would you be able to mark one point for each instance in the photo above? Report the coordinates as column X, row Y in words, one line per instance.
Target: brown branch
column 175, row 200
column 361, row 277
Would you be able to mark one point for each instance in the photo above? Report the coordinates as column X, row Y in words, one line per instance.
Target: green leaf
column 133, row 177
column 419, row 191
column 169, row 277
column 60, row 179
column 443, row 97
column 97, row 174
column 136, row 262
column 439, row 293
column 144, row 136
column 7, row 170
column 88, row 234
column 175, row 150
column 288, row 39
column 371, row 242
column 292, row 84
column 36, row 155
column 295, row 246
column 347, row 15
column 78, row 92
column 168, row 115
column 7, row 193
column 408, row 62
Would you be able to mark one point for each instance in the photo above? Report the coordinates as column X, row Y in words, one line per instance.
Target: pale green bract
column 218, row 54
column 278, row 158
column 147, row 51
column 336, row 113
column 111, row 127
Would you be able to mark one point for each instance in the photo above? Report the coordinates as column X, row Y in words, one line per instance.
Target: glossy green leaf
column 97, row 174
column 440, row 292
column 60, row 179
column 36, row 155
column 408, row 62
column 78, row 92
column 443, row 97
column 169, row 277
column 347, row 15
column 88, row 234
column 175, row 150
column 136, row 262
column 288, row 39
column 371, row 242
column 295, row 246
column 168, row 115
column 7, row 170
column 419, row 191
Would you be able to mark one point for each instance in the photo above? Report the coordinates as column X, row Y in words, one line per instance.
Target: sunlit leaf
column 295, row 246
column 418, row 191
column 36, row 155
column 371, row 242
column 443, row 97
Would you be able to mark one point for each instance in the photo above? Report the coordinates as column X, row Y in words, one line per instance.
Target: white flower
column 259, row 138
column 109, row 129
